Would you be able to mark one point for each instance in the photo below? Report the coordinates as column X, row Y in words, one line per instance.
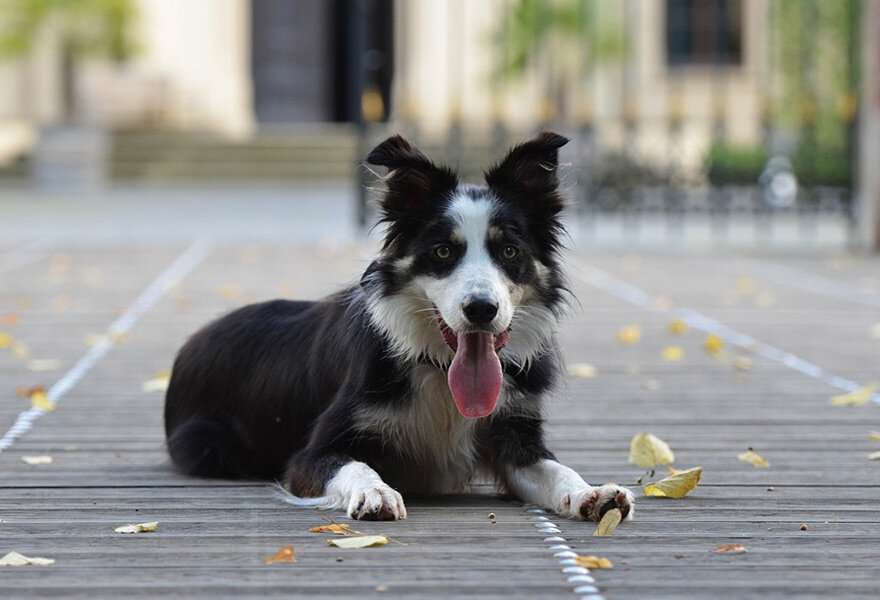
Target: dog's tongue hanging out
column 475, row 374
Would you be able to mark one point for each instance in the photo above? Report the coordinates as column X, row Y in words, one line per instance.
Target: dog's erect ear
column 412, row 178
column 529, row 167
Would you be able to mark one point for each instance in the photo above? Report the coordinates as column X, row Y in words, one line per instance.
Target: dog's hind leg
column 343, row 483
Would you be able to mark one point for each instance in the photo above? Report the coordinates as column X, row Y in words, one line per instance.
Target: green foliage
column 812, row 165
column 727, row 163
column 533, row 29
column 86, row 27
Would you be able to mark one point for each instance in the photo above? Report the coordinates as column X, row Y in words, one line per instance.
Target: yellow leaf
column 731, row 549
column 746, row 286
column 609, row 522
column 673, row 353
column 629, row 334
column 677, row 327
column 362, row 541
column 41, row 401
column 284, row 555
column 594, row 562
column 754, row 459
column 874, row 435
column 874, row 455
column 148, row 527
column 647, row 450
column 582, row 370
column 159, row 382
column 714, row 345
column 858, row 397
column 675, row 486
column 20, row 350
column 5, row 340
column 14, row 559
column 340, row 528
column 37, row 460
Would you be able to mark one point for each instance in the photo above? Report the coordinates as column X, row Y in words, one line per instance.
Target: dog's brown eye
column 510, row 252
column 442, row 252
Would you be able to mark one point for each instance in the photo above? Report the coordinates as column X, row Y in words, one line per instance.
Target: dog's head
column 468, row 275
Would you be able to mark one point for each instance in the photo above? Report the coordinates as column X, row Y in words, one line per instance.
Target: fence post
column 869, row 134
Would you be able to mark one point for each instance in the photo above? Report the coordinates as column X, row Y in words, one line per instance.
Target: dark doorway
column 313, row 60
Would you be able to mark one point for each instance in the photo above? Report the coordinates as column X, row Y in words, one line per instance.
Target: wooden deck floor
column 809, row 325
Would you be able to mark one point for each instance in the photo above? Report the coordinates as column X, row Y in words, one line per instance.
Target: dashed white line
column 638, row 297
column 175, row 272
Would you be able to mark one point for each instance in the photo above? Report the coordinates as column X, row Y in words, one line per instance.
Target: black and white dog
column 430, row 371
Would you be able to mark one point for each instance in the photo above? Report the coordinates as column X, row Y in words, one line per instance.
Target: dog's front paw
column 592, row 503
column 376, row 503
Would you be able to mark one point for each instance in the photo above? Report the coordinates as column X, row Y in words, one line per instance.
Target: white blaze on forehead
column 473, row 218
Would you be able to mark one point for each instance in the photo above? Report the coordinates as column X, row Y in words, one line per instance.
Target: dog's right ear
column 413, row 179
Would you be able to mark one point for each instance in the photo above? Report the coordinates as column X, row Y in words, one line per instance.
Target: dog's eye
column 442, row 252
column 510, row 252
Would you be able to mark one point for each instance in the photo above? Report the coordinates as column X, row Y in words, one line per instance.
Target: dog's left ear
column 529, row 168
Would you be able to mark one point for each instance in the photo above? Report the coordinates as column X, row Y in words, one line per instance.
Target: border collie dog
column 429, row 372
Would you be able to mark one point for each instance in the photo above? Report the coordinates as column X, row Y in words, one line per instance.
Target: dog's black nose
column 480, row 311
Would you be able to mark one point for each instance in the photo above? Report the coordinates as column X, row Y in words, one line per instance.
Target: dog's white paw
column 378, row 502
column 593, row 502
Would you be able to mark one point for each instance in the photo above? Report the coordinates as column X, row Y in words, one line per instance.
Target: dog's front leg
column 552, row 485
column 346, row 484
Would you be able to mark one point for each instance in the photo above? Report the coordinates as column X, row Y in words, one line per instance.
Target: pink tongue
column 475, row 374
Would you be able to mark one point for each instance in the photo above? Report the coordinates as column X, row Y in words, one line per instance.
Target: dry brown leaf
column 730, row 549
column 284, row 555
column 361, row 541
column 148, row 527
column 37, row 460
column 673, row 353
column 858, row 397
column 594, row 562
column 677, row 327
column 630, row 334
column 582, row 370
column 874, row 436
column 647, row 450
column 675, row 486
column 610, row 521
column 10, row 319
column 15, row 559
column 340, row 528
column 754, row 459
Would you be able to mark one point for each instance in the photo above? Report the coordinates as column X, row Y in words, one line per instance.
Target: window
column 703, row 32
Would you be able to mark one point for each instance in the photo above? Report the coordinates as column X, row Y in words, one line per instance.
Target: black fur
column 275, row 389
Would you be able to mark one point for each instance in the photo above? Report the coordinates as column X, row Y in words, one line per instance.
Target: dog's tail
column 210, row 447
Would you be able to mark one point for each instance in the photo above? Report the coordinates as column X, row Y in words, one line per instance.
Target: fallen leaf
column 20, row 350
column 647, row 450
column 361, row 541
column 609, row 523
column 40, row 400
column 284, row 555
column 14, row 559
column 594, row 562
column 678, row 327
column 754, row 459
column 148, row 527
column 5, row 340
column 672, row 353
column 159, row 382
column 10, row 319
column 730, row 549
column 340, row 528
column 44, row 364
column 874, row 435
column 675, row 486
column 714, row 345
column 37, row 460
column 629, row 334
column 742, row 363
column 746, row 286
column 858, row 397
column 582, row 370
column 874, row 455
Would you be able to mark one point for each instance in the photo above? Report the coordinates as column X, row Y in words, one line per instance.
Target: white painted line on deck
column 638, row 297
column 174, row 273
